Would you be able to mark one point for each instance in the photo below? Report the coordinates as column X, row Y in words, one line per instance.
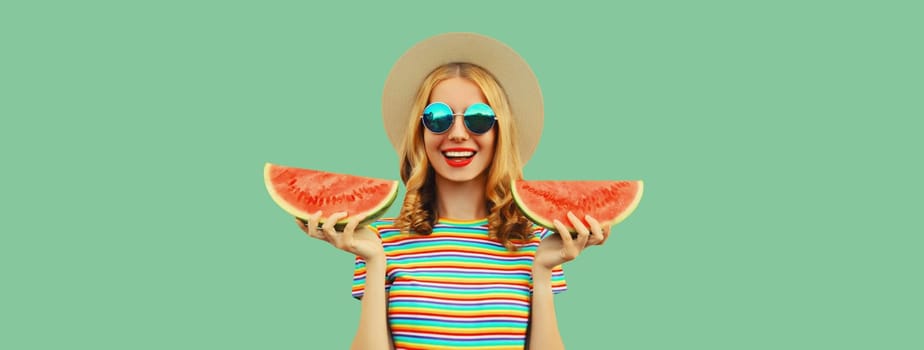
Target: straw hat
column 509, row 69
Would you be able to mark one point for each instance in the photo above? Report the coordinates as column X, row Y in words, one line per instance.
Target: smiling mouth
column 458, row 159
column 459, row 155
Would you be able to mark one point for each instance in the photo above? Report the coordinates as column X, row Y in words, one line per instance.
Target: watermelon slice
column 609, row 202
column 302, row 192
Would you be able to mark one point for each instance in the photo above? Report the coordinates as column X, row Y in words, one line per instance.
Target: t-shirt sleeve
column 359, row 270
column 559, row 284
column 359, row 278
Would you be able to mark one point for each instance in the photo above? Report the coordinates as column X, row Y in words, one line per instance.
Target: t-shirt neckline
column 466, row 222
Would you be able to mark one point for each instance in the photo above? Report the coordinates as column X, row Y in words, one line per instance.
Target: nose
column 458, row 131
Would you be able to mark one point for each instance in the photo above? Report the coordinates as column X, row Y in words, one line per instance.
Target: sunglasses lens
column 437, row 117
column 479, row 118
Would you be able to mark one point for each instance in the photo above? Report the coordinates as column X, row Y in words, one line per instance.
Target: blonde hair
column 505, row 222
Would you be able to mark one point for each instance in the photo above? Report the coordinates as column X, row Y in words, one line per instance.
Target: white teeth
column 459, row 154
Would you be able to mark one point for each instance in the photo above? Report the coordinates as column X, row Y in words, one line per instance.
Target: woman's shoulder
column 384, row 226
column 384, row 222
column 540, row 231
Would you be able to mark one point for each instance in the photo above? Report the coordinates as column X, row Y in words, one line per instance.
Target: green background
column 780, row 143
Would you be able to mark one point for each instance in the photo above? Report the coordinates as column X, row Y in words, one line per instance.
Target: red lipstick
column 458, row 157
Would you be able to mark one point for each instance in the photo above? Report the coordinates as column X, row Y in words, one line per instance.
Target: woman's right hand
column 361, row 242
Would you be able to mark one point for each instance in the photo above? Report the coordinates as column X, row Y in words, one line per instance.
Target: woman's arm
column 373, row 324
column 543, row 324
column 553, row 251
column 372, row 332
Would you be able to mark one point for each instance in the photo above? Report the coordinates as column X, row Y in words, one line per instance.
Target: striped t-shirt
column 456, row 288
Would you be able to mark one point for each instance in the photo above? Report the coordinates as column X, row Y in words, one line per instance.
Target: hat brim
column 509, row 69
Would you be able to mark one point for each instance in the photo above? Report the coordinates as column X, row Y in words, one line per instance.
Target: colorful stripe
column 456, row 288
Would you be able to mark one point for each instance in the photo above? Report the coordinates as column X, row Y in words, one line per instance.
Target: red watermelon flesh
column 609, row 202
column 302, row 192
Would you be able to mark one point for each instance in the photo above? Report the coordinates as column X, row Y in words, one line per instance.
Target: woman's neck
column 461, row 200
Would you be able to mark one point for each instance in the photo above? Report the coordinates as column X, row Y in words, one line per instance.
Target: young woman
column 460, row 267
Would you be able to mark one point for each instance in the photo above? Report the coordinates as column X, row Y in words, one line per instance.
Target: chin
column 462, row 176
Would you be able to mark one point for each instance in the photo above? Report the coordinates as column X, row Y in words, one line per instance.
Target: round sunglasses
column 438, row 118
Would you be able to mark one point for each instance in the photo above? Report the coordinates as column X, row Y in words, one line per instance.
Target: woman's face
column 459, row 155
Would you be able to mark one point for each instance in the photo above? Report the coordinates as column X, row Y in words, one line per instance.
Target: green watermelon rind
column 369, row 216
column 549, row 224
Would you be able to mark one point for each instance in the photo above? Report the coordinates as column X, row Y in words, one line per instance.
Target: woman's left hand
column 560, row 248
